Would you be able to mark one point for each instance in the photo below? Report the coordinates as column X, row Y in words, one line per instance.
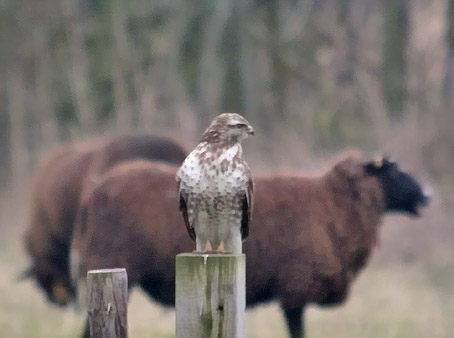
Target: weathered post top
column 210, row 295
column 107, row 303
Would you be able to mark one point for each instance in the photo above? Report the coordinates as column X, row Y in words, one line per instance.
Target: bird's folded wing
column 248, row 204
column 184, row 211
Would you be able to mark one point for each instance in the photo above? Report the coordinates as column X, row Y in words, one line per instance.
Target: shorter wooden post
column 107, row 302
column 210, row 295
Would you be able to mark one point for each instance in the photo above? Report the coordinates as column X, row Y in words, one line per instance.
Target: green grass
column 392, row 298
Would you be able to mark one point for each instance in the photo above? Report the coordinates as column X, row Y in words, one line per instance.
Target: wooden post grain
column 210, row 295
column 107, row 302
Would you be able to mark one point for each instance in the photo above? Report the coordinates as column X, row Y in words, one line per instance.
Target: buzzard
column 215, row 187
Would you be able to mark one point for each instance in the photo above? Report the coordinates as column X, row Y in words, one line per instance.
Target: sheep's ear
column 379, row 165
column 379, row 161
column 376, row 166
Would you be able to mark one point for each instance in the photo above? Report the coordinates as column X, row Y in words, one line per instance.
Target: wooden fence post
column 107, row 303
column 210, row 295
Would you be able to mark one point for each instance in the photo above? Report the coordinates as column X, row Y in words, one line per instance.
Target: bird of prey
column 215, row 187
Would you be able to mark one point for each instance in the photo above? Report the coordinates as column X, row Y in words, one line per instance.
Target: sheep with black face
column 313, row 233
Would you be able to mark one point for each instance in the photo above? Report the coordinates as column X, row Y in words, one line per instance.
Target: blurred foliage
column 335, row 73
column 395, row 39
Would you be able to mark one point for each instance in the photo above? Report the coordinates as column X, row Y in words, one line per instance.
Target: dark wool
column 65, row 176
column 309, row 236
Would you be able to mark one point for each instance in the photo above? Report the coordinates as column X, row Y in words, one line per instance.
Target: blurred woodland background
column 312, row 77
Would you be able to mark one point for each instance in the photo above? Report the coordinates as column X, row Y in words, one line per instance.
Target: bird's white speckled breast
column 205, row 173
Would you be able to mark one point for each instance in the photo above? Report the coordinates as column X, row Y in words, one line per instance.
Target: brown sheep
column 65, row 176
column 310, row 236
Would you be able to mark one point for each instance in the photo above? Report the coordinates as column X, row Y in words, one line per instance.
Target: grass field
column 407, row 291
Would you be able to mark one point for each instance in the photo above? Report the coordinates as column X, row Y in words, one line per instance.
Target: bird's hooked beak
column 250, row 130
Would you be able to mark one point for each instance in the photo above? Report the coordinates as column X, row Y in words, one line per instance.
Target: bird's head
column 228, row 128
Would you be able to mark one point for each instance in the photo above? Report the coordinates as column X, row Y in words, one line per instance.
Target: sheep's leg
column 295, row 321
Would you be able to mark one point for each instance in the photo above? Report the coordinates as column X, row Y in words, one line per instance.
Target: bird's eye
column 237, row 125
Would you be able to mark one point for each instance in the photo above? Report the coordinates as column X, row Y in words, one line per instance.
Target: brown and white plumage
column 215, row 187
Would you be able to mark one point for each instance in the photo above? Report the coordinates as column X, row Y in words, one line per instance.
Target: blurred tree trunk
column 256, row 63
column 216, row 61
column 99, row 55
column 448, row 81
column 191, row 49
column 121, row 64
column 426, row 55
column 77, row 64
column 31, row 118
column 17, row 97
column 251, row 85
column 232, row 93
column 278, row 69
column 5, row 144
column 395, row 38
column 363, row 41
column 5, row 128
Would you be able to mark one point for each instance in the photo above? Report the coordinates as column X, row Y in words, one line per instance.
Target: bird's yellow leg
column 208, row 247
column 220, row 248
